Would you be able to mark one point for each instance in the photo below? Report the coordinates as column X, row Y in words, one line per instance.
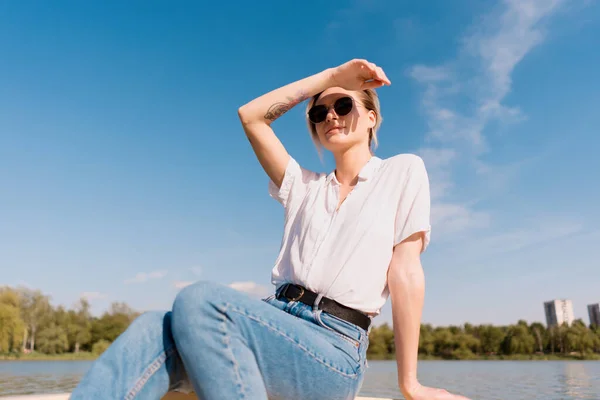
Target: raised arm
column 406, row 283
column 257, row 116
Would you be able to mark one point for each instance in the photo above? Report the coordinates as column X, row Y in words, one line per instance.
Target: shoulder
column 304, row 177
column 404, row 164
column 297, row 167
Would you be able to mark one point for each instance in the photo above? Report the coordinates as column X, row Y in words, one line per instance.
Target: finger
column 374, row 84
column 365, row 65
column 382, row 77
column 373, row 69
column 378, row 74
column 367, row 73
column 457, row 397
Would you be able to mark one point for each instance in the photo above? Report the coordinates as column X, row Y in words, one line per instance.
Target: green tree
column 596, row 339
column 519, row 340
column 580, row 338
column 53, row 339
column 381, row 342
column 34, row 307
column 112, row 323
column 426, row 340
column 79, row 327
column 11, row 324
column 491, row 338
column 100, row 347
column 538, row 331
column 444, row 342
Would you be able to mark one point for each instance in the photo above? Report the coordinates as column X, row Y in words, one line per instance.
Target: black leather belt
column 294, row 292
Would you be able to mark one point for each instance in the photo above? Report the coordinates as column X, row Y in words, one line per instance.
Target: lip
column 332, row 128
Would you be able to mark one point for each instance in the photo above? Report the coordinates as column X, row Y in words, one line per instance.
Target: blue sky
column 125, row 174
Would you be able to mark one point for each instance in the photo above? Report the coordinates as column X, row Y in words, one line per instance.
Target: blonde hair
column 369, row 100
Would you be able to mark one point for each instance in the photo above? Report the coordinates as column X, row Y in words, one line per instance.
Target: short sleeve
column 294, row 185
column 414, row 206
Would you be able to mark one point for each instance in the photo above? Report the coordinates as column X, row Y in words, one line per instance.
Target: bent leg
column 141, row 363
column 237, row 347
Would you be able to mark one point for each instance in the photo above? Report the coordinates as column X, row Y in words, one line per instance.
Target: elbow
column 249, row 116
column 243, row 115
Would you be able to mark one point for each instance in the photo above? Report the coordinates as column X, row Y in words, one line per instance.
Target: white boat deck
column 170, row 396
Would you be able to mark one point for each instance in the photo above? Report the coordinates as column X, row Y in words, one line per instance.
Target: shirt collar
column 365, row 173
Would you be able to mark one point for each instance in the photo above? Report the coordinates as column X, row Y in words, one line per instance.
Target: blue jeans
column 230, row 346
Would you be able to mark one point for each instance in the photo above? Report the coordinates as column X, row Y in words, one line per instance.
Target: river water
column 481, row 380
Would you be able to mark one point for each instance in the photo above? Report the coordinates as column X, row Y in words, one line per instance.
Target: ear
column 372, row 119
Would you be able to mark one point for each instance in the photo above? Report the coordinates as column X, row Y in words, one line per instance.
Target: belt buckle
column 294, row 298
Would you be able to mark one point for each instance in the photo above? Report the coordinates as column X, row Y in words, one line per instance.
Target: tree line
column 519, row 341
column 29, row 323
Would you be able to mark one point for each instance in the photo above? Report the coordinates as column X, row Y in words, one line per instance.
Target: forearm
column 270, row 106
column 407, row 287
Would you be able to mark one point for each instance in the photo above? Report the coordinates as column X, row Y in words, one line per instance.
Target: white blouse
column 345, row 255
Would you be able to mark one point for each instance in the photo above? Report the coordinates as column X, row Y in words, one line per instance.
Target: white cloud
column 451, row 219
column 480, row 76
column 182, row 284
column 463, row 96
column 437, row 158
column 196, row 270
column 426, row 74
column 536, row 233
column 252, row 288
column 438, row 162
column 145, row 276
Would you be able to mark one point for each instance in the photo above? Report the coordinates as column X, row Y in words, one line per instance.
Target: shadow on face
column 337, row 132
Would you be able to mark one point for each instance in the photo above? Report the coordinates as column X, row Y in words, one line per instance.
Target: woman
column 351, row 239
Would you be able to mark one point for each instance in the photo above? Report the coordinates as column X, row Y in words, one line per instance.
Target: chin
column 336, row 139
column 335, row 146
column 339, row 142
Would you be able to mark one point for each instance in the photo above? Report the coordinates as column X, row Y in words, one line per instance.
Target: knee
column 150, row 320
column 150, row 324
column 198, row 306
column 192, row 299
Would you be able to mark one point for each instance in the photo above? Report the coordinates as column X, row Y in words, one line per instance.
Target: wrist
column 328, row 78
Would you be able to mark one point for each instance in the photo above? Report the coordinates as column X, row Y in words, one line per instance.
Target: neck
column 349, row 163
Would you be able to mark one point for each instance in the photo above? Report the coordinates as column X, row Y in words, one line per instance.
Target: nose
column 331, row 114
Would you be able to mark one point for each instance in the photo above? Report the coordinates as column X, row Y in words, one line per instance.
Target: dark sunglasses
column 342, row 106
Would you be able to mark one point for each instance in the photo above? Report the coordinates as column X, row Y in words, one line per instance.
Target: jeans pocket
column 331, row 323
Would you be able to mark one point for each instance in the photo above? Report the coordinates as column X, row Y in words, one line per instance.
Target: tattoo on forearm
column 280, row 108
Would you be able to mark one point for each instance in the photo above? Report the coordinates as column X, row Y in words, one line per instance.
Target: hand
column 359, row 74
column 426, row 393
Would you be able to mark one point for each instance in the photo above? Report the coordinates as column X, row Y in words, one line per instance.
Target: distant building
column 594, row 312
column 559, row 312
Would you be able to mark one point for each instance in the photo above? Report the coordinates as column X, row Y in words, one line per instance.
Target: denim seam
column 353, row 342
column 226, row 342
column 149, row 371
column 299, row 345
